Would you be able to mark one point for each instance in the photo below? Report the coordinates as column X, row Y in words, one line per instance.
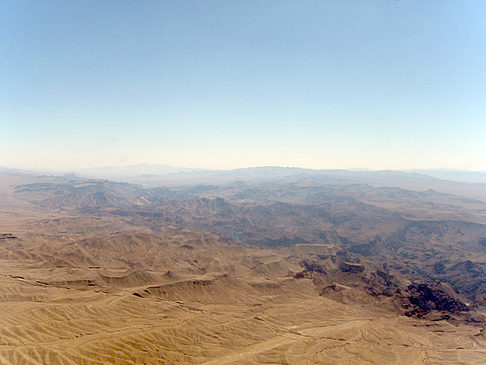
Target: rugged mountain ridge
column 374, row 223
column 99, row 272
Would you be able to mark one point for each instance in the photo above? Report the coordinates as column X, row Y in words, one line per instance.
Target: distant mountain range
column 471, row 184
column 455, row 175
column 139, row 170
column 151, row 171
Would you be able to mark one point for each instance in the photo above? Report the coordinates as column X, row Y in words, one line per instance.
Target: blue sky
column 227, row 84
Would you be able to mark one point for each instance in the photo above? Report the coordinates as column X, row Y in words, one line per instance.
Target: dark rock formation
column 425, row 298
column 313, row 266
column 351, row 267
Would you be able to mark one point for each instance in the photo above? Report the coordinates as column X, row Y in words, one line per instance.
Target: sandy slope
column 60, row 307
column 95, row 290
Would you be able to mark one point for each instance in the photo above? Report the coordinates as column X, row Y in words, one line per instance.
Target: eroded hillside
column 100, row 272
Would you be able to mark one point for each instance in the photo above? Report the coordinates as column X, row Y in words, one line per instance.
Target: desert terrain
column 253, row 272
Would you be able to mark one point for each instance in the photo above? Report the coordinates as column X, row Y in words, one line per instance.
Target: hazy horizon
column 146, row 164
column 325, row 85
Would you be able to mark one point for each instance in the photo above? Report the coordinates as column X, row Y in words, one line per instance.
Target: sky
column 377, row 84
